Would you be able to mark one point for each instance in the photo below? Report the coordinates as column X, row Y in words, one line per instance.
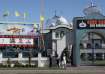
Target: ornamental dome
column 91, row 9
column 56, row 20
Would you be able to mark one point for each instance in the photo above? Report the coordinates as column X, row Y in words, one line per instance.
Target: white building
column 58, row 36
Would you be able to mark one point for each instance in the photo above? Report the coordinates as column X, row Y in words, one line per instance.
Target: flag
column 41, row 18
column 17, row 14
column 5, row 14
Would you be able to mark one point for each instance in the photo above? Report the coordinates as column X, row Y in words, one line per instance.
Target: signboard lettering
column 91, row 24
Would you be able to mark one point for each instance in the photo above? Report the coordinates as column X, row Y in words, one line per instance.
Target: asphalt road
column 71, row 70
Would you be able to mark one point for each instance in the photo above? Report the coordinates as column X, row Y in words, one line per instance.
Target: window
column 88, row 45
column 97, row 45
column 62, row 34
column 32, row 53
column 57, row 35
column 25, row 54
column 10, row 54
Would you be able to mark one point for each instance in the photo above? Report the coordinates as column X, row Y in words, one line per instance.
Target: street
column 71, row 70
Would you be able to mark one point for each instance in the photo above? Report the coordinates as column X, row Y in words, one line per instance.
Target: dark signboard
column 91, row 24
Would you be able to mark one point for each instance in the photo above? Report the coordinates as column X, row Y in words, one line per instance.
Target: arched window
column 57, row 35
column 62, row 34
column 97, row 45
column 89, row 45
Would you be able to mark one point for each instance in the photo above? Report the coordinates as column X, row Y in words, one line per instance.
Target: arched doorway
column 92, row 49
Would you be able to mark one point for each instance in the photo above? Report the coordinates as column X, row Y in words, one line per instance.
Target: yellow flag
column 17, row 13
column 41, row 18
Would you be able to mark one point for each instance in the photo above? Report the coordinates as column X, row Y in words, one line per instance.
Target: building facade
column 83, row 42
column 59, row 38
column 89, row 43
column 20, row 42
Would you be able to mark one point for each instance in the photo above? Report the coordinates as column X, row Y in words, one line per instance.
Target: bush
column 17, row 64
column 3, row 66
column 30, row 66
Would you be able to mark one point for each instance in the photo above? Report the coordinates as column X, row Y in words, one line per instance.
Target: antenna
column 91, row 3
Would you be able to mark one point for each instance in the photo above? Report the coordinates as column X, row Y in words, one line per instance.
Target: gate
column 92, row 49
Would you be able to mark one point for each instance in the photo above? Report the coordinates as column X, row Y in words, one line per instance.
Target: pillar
column 54, row 48
column 0, row 57
column 95, row 56
column 103, row 56
column 85, row 45
column 39, row 60
column 20, row 56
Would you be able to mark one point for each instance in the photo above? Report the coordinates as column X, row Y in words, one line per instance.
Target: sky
column 65, row 8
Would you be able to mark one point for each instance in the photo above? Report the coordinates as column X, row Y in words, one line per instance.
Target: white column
column 85, row 45
column 53, row 43
column 54, row 48
column 20, row 56
column 53, row 35
column 103, row 56
column 39, row 60
column 94, row 55
column 0, row 57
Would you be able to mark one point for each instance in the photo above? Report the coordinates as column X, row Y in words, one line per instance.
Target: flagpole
column 41, row 23
column 24, row 17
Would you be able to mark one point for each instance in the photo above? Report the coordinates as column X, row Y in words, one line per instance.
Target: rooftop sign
column 91, row 24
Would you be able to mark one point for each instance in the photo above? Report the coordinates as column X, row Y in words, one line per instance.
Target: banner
column 17, row 29
column 18, row 41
